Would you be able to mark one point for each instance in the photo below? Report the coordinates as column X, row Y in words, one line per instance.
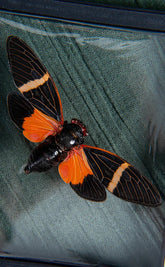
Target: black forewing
column 90, row 189
column 121, row 178
column 135, row 187
column 26, row 68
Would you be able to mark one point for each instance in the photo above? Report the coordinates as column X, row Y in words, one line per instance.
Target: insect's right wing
column 120, row 177
column 90, row 170
column 76, row 171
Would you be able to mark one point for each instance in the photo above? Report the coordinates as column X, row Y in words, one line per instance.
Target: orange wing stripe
column 39, row 126
column 75, row 167
column 117, row 176
column 34, row 84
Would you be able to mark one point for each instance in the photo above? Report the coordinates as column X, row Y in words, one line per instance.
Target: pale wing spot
column 34, row 84
column 116, row 177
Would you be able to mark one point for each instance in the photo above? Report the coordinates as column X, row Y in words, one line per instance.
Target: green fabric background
column 113, row 80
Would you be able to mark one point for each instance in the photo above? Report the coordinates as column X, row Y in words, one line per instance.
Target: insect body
column 37, row 111
column 55, row 148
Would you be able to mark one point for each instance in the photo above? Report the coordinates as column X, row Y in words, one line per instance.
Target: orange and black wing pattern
column 76, row 171
column 32, row 79
column 120, row 177
column 36, row 126
column 100, row 169
column 39, row 93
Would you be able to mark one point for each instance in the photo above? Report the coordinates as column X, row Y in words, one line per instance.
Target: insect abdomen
column 43, row 157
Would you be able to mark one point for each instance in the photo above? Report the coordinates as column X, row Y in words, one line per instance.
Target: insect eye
column 83, row 127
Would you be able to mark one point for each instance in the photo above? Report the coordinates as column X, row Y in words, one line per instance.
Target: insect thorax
column 70, row 136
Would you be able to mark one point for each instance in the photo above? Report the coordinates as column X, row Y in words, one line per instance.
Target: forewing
column 33, row 79
column 76, row 171
column 36, row 126
column 120, row 177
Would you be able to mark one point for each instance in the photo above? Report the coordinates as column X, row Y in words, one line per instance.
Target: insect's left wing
column 33, row 79
column 120, row 177
column 36, row 126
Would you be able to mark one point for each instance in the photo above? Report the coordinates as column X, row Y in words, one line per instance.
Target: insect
column 37, row 110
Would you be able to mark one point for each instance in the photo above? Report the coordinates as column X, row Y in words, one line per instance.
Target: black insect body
column 37, row 111
column 55, row 148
